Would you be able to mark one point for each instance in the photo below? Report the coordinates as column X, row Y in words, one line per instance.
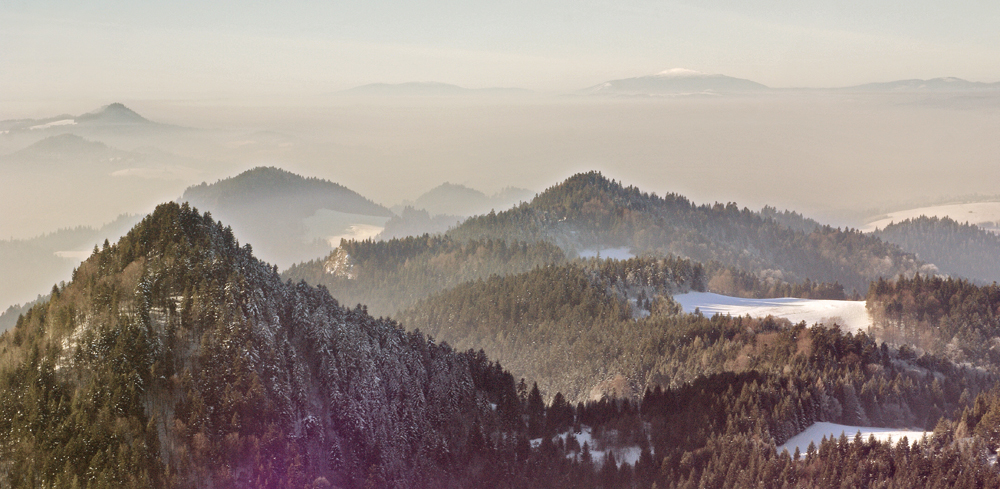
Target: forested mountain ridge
column 391, row 276
column 388, row 276
column 590, row 211
column 964, row 250
column 174, row 358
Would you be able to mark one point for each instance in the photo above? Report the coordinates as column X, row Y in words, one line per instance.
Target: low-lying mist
column 837, row 157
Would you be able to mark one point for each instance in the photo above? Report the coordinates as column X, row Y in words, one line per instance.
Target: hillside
column 31, row 266
column 176, row 359
column 287, row 217
column 963, row 250
column 589, row 211
column 392, row 275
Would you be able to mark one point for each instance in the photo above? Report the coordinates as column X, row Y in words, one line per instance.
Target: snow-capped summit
column 674, row 72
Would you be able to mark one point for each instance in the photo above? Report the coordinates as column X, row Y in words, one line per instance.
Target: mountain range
column 175, row 358
column 674, row 82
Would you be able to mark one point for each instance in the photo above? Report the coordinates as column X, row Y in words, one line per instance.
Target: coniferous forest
column 493, row 355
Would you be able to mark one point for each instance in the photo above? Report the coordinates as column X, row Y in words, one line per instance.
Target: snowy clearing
column 332, row 226
column 850, row 315
column 817, row 431
column 64, row 122
column 983, row 214
column 75, row 254
column 615, row 253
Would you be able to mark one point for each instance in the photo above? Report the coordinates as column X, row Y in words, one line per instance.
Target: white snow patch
column 817, row 431
column 75, row 254
column 678, row 72
column 623, row 455
column 622, row 253
column 850, row 315
column 331, row 226
column 983, row 214
column 356, row 232
column 64, row 122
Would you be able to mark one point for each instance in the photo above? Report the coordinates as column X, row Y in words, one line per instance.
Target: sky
column 57, row 52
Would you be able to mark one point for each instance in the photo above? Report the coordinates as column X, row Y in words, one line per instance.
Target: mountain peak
column 65, row 143
column 115, row 113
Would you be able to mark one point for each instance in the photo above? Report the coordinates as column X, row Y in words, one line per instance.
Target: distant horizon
column 50, row 107
column 105, row 49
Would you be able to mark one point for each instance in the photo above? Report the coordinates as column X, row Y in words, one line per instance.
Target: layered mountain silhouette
column 676, row 81
column 589, row 211
column 947, row 84
column 285, row 216
column 111, row 115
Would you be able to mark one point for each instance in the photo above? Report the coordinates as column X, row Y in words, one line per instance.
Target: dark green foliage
column 738, row 283
column 568, row 326
column 950, row 317
column 176, row 359
column 590, row 211
column 416, row 222
column 965, row 250
column 389, row 276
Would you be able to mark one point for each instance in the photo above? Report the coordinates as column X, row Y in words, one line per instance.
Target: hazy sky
column 53, row 52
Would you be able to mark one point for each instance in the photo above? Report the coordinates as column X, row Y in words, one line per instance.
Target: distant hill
column 459, row 200
column 71, row 154
column 115, row 114
column 415, row 222
column 932, row 85
column 589, row 211
column 964, row 250
column 285, row 216
column 676, row 82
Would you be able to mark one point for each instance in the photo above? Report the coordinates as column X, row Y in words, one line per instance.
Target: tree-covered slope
column 590, row 211
column 587, row 328
column 175, row 358
column 963, row 250
column 388, row 276
column 950, row 317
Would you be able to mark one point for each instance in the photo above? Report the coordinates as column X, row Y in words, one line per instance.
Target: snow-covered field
column 64, row 122
column 332, row 226
column 983, row 214
column 850, row 315
column 817, row 431
column 616, row 253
